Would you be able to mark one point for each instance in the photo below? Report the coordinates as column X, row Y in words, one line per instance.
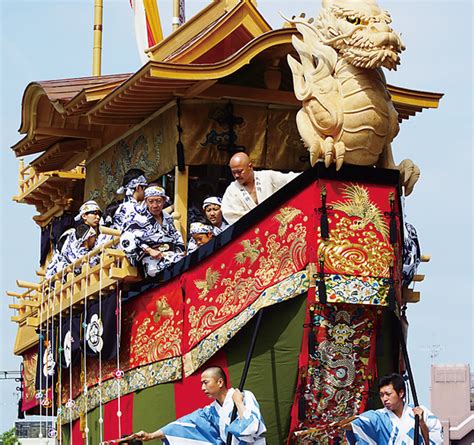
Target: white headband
column 155, row 191
column 88, row 206
column 197, row 228
column 212, row 200
column 130, row 187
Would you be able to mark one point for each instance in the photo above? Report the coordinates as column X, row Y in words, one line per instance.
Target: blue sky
column 44, row 40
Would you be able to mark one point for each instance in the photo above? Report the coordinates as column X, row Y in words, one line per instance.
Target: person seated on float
column 212, row 207
column 82, row 241
column 58, row 262
column 133, row 185
column 212, row 210
column 151, row 238
column 250, row 187
column 201, row 234
column 89, row 214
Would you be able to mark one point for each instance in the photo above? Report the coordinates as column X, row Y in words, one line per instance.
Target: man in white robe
column 250, row 187
column 211, row 424
column 395, row 423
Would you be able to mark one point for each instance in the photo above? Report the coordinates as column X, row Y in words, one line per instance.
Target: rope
column 101, row 417
column 86, row 429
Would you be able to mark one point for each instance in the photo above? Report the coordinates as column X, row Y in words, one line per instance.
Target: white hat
column 88, row 206
column 130, row 187
column 197, row 228
column 155, row 190
column 212, row 200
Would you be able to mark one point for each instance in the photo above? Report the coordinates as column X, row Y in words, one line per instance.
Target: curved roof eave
column 175, row 78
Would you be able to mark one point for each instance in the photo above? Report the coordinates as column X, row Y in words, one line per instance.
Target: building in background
column 452, row 400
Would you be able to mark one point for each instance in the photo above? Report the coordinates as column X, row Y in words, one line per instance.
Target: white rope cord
column 70, row 402
column 52, row 345
column 40, row 361
column 60, row 367
column 101, row 414
column 118, row 328
column 86, row 429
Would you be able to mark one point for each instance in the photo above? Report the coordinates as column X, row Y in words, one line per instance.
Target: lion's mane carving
column 347, row 114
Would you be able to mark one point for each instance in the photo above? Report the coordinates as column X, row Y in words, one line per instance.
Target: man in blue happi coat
column 211, row 424
column 395, row 423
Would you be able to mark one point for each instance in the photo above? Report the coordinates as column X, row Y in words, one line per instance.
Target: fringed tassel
column 311, row 334
column 324, row 223
column 393, row 219
column 322, row 294
column 391, row 291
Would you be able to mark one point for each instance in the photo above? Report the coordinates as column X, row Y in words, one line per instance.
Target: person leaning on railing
column 79, row 244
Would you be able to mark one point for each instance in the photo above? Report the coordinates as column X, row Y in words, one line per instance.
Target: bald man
column 210, row 425
column 250, row 187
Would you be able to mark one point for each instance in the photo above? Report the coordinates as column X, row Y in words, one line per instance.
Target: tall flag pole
column 148, row 30
column 97, row 49
column 179, row 16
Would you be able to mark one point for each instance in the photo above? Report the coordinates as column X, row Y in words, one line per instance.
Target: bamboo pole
column 97, row 49
column 175, row 22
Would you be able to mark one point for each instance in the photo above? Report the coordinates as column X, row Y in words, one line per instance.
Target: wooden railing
column 64, row 290
column 29, row 179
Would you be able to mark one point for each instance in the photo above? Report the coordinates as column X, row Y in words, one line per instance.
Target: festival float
column 306, row 291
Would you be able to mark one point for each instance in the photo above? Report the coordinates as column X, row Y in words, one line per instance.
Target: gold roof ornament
column 347, row 113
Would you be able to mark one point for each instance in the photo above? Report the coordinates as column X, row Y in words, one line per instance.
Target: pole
column 97, row 49
column 411, row 380
column 245, row 371
column 175, row 22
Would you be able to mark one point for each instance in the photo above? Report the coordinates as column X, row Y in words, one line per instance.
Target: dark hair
column 109, row 213
column 81, row 230
column 62, row 239
column 218, row 372
column 132, row 174
column 394, row 379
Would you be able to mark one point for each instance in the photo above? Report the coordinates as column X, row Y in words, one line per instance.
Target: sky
column 43, row 40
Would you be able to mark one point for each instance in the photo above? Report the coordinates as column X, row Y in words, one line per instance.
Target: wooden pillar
column 180, row 213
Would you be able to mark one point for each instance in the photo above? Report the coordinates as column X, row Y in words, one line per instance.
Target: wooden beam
column 32, row 322
column 220, row 91
column 180, row 213
column 425, row 258
column 198, row 88
column 28, row 285
column 418, row 278
column 68, row 133
column 29, row 303
column 411, row 296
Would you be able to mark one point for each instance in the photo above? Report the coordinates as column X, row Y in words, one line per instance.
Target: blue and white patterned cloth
column 383, row 427
column 192, row 246
column 131, row 186
column 126, row 212
column 210, row 425
column 411, row 254
column 145, row 231
column 73, row 249
column 58, row 261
